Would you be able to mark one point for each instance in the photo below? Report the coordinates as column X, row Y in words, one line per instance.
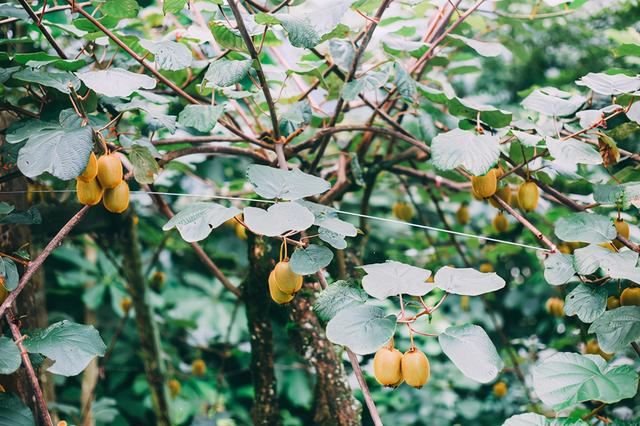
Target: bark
column 150, row 350
column 255, row 294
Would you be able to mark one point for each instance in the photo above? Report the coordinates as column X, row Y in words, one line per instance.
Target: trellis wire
column 253, row 200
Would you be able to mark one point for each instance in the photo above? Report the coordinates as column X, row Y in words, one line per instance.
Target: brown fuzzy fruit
column 109, row 171
column 612, row 303
column 403, row 211
column 126, row 304
column 116, row 200
column 91, row 171
column 500, row 390
column 622, row 228
column 278, row 296
column 528, row 195
column 415, row 368
column 3, row 292
column 386, row 367
column 462, row 215
column 88, row 193
column 500, row 223
column 555, row 306
column 241, row 231
column 504, row 194
column 287, row 281
column 198, row 368
column 464, row 302
column 174, row 388
column 630, row 296
column 485, row 186
column 486, row 267
column 593, row 348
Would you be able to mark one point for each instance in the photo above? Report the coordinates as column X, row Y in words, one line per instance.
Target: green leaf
column 364, row 329
column 585, row 227
column 40, row 59
column 393, row 278
column 72, row 346
column 338, row 296
column 467, row 281
column 566, row 379
column 58, row 80
column 121, row 8
column 196, row 221
column 470, row 349
column 610, row 84
column 13, row 11
column 9, row 356
column 558, row 268
column 116, row 81
column 366, row 83
column 334, row 239
column 587, row 302
column 145, row 167
column 278, row 219
column 489, row 114
column 226, row 38
column 173, row 6
column 169, row 55
column 617, row 328
column 6, row 208
column 63, row 152
column 484, row 48
column 270, row 183
column 201, row 117
column 533, row 419
column 224, row 73
column 457, row 147
column 342, row 53
column 407, row 86
column 9, row 271
column 13, row 412
column 311, row 259
column 30, row 216
column 622, row 195
column 573, row 151
column 553, row 102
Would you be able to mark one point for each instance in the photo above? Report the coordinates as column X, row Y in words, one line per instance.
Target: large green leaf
column 366, row 83
column 566, row 379
column 558, row 268
column 269, row 182
column 533, row 419
column 573, row 151
column 120, row 8
column 201, row 117
column 393, row 278
column 484, row 48
column 470, row 349
column 457, row 147
column 610, row 84
column 173, row 6
column 72, row 346
column 617, row 328
column 338, row 296
column 9, row 356
column 585, row 227
column 491, row 115
column 364, row 329
column 145, row 167
column 116, row 81
column 9, row 272
column 58, row 80
column 196, row 221
column 169, row 55
column 13, row 412
column 553, row 102
column 309, row 260
column 587, row 302
column 278, row 219
column 224, row 73
column 467, row 281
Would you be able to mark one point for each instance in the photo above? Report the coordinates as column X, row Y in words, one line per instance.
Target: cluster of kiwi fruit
column 284, row 283
column 391, row 367
column 486, row 186
column 102, row 179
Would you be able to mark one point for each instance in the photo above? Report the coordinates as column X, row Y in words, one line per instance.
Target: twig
column 43, row 30
column 39, row 260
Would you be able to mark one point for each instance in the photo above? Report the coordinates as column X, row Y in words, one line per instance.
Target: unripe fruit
column 91, row 171
column 500, row 389
column 630, row 296
column 89, row 193
column 462, row 215
column 555, row 306
column 287, row 281
column 504, row 194
column 116, row 200
column 622, row 228
column 125, row 304
column 109, row 171
column 528, row 195
column 593, row 348
column 485, row 186
column 386, row 367
column 500, row 223
column 403, row 211
column 174, row 387
column 198, row 368
column 464, row 303
column 612, row 303
column 486, row 267
column 415, row 368
column 241, row 231
column 277, row 295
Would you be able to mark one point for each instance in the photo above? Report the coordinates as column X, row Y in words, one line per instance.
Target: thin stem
column 36, row 20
